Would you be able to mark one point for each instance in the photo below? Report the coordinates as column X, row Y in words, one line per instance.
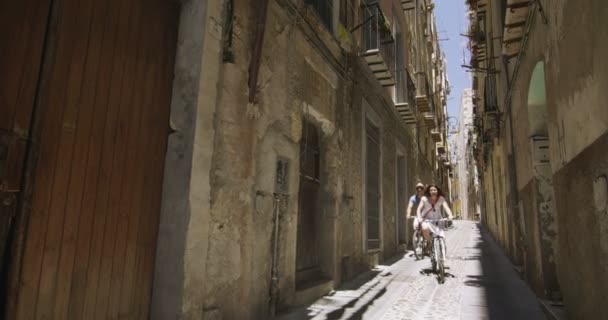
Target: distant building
column 465, row 162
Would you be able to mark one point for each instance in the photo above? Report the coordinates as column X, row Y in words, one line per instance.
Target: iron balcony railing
column 377, row 43
column 405, row 90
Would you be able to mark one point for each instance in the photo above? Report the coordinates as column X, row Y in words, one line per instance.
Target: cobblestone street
column 482, row 284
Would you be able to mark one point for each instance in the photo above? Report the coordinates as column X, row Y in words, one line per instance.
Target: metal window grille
column 376, row 32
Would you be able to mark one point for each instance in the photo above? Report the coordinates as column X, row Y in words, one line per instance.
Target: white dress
column 428, row 211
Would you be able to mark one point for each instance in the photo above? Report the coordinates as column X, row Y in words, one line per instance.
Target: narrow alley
column 273, row 159
column 482, row 284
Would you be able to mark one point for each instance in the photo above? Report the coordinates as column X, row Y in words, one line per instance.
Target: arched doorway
column 543, row 199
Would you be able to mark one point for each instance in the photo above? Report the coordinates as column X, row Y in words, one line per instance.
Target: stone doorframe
column 180, row 262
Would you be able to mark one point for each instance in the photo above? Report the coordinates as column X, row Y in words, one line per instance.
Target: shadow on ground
column 507, row 296
column 360, row 293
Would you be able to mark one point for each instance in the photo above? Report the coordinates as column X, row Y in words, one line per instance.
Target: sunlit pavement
column 481, row 284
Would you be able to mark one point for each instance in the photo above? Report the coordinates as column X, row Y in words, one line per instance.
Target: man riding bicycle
column 414, row 202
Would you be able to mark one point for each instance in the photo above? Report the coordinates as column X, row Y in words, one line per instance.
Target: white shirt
column 428, row 211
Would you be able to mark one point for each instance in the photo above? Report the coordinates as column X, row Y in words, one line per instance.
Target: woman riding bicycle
column 430, row 209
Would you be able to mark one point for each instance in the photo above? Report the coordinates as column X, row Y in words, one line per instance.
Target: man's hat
column 419, row 185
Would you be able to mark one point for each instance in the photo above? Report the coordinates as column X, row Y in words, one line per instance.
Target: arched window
column 537, row 102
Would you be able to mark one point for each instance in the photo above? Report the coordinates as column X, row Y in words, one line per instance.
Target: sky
column 451, row 20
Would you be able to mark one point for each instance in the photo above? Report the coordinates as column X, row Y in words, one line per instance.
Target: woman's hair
column 427, row 191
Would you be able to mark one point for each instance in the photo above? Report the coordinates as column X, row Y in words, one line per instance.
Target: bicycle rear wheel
column 417, row 246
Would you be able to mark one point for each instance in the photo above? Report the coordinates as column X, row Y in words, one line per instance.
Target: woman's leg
column 427, row 235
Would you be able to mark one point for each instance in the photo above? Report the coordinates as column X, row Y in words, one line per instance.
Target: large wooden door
column 22, row 30
column 96, row 158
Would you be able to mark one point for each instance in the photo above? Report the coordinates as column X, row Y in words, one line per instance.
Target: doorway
column 307, row 246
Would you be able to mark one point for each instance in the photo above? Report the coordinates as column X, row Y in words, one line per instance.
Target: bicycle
column 438, row 248
column 419, row 244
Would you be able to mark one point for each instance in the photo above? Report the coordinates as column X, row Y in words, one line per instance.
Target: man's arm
column 409, row 209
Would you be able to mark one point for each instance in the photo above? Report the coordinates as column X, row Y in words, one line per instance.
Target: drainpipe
column 278, row 199
column 258, row 42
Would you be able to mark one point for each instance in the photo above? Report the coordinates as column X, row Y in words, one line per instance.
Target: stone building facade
column 211, row 159
column 308, row 128
column 543, row 126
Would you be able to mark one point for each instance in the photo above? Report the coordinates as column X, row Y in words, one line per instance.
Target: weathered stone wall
column 575, row 107
column 393, row 131
column 583, row 267
column 557, row 201
column 183, row 231
column 578, row 126
column 215, row 249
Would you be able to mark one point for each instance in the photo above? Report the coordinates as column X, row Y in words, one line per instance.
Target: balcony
column 407, row 5
column 429, row 120
column 378, row 45
column 436, row 135
column 440, row 148
column 516, row 16
column 422, row 92
column 405, row 96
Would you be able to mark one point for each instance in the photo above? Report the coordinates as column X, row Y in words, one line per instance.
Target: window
column 308, row 200
column 490, row 95
column 400, row 72
column 324, row 11
column 347, row 13
column 372, row 185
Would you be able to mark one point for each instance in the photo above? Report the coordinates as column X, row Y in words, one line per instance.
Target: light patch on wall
column 330, row 77
column 537, row 94
column 327, row 127
column 580, row 129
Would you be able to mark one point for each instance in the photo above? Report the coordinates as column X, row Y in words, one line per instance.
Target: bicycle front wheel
column 440, row 251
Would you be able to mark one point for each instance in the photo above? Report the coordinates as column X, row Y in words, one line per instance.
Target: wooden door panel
column 23, row 27
column 91, row 237
column 22, row 31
